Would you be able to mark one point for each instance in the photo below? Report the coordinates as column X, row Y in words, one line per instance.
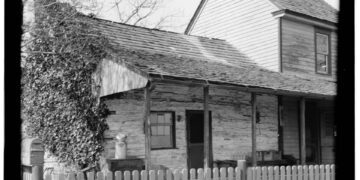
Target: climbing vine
column 59, row 105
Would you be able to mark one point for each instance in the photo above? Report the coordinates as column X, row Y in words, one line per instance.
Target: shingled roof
column 314, row 8
column 171, row 54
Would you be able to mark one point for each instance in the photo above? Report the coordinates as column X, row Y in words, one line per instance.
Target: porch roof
column 166, row 54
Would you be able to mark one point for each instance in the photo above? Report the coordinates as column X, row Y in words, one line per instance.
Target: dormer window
column 322, row 49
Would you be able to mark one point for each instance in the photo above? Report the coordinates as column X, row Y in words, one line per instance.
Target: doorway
column 312, row 134
column 195, row 137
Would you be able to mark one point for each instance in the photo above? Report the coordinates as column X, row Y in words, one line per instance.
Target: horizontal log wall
column 231, row 118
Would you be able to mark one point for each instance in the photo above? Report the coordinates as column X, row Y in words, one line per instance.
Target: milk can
column 120, row 146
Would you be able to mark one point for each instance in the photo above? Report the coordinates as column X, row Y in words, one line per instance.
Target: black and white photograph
column 182, row 90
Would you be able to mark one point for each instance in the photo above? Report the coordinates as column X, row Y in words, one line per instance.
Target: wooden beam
column 253, row 128
column 206, row 128
column 302, row 131
column 244, row 88
column 147, row 127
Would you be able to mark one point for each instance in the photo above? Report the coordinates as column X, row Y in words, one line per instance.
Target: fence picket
column 264, row 173
column 258, row 173
column 135, row 175
column 90, row 175
column 109, row 175
column 311, row 172
column 294, row 173
column 322, row 172
column 230, row 173
column 127, row 175
column 222, row 173
column 316, row 172
column 192, row 174
column 100, row 176
column 169, row 175
column 177, row 175
column 47, row 176
column 184, row 173
column 118, row 175
column 300, row 173
column 160, row 175
column 276, row 173
column 200, row 173
column 305, row 172
column 332, row 167
column 144, row 175
column 61, row 176
column 238, row 173
column 282, row 173
column 288, row 172
column 71, row 176
column 216, row 173
column 327, row 172
column 249, row 174
column 152, row 175
column 207, row 174
column 270, row 173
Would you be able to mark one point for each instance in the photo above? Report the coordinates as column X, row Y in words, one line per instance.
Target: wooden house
column 293, row 37
column 188, row 101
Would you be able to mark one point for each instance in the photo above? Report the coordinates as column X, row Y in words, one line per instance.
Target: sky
column 181, row 12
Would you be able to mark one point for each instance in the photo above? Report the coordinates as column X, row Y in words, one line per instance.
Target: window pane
column 167, row 130
column 161, row 142
column 321, row 61
column 153, row 118
column 160, row 130
column 161, row 118
column 154, row 130
column 168, row 118
column 322, row 45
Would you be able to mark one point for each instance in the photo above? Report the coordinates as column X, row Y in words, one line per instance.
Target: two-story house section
column 294, row 37
column 290, row 36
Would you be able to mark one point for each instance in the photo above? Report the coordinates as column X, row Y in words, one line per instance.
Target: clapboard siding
column 247, row 24
column 231, row 122
column 291, row 127
column 298, row 49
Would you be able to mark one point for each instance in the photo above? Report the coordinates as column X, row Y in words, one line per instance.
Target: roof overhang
column 115, row 77
column 246, row 88
column 291, row 15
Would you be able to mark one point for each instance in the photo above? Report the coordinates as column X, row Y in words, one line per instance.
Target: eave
column 291, row 15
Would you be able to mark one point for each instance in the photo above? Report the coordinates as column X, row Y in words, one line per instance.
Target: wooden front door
column 195, row 137
column 312, row 128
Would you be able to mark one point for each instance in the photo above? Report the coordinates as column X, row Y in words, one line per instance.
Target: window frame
column 329, row 59
column 172, row 133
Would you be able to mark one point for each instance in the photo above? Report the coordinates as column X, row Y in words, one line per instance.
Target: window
column 162, row 130
column 323, row 63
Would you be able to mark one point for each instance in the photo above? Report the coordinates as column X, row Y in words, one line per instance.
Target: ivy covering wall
column 58, row 104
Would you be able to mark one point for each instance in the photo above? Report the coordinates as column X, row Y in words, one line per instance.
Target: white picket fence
column 317, row 172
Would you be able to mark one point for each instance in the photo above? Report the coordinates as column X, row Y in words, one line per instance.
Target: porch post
column 302, row 131
column 207, row 154
column 147, row 127
column 206, row 128
column 253, row 128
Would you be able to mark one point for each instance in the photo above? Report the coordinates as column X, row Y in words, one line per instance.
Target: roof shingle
column 315, row 8
column 177, row 55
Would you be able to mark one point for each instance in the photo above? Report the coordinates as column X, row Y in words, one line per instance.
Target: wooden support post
column 280, row 125
column 302, row 132
column 206, row 128
column 253, row 128
column 147, row 127
column 241, row 164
